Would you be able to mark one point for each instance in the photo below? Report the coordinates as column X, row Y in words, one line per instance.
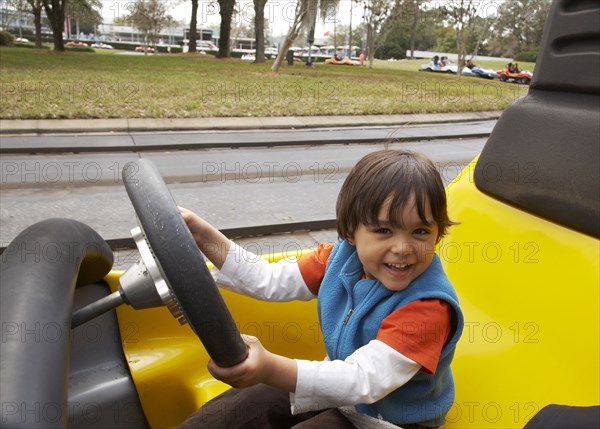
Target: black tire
column 36, row 290
column 182, row 263
column 503, row 77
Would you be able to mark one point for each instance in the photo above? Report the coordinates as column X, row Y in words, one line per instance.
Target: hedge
column 79, row 49
column 6, row 39
column 28, row 45
column 527, row 56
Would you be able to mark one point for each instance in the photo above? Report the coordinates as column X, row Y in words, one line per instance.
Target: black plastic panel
column 101, row 391
column 543, row 156
column 562, row 416
column 569, row 58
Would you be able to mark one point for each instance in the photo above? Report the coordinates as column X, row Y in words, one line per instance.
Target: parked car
column 101, row 45
column 147, row 49
column 204, row 45
column 76, row 43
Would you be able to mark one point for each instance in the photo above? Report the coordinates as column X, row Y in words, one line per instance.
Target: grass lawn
column 105, row 84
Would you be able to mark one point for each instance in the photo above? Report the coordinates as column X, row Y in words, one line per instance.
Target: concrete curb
column 124, row 125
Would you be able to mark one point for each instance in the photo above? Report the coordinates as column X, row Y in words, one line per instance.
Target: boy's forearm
column 208, row 238
column 213, row 244
column 283, row 373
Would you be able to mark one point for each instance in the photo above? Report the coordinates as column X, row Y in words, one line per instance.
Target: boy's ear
column 350, row 240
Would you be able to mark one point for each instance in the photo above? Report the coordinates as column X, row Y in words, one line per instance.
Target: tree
column 408, row 29
column 55, row 11
column 150, row 17
column 193, row 24
column 518, row 27
column 461, row 13
column 376, row 11
column 305, row 16
column 226, row 8
column 259, row 30
column 415, row 14
column 445, row 39
column 339, row 38
column 84, row 14
column 36, row 10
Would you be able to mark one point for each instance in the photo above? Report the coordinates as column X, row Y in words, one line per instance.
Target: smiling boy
column 389, row 316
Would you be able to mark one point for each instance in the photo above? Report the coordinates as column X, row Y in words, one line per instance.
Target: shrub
column 527, row 56
column 174, row 49
column 79, row 49
column 124, row 46
column 6, row 39
column 28, row 45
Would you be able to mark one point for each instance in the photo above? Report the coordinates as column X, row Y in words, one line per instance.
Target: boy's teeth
column 398, row 266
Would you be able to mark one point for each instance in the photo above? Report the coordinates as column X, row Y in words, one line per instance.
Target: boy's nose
column 402, row 247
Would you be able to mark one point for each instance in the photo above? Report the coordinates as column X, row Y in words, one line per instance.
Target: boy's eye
column 383, row 230
column 420, row 231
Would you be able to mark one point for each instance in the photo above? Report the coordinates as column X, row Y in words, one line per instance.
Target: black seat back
column 543, row 156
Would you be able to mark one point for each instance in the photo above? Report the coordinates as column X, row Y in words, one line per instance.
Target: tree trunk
column 37, row 19
column 193, row 24
column 259, row 30
column 371, row 44
column 460, row 36
column 55, row 11
column 413, row 29
column 226, row 12
column 292, row 35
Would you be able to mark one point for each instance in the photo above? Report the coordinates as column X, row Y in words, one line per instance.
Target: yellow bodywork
column 168, row 363
column 529, row 290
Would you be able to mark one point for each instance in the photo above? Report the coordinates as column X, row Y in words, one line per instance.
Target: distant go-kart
column 452, row 68
column 449, row 68
column 484, row 73
column 342, row 61
column 524, row 261
column 523, row 76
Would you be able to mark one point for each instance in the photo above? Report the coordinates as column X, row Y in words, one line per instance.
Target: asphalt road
column 270, row 178
column 229, row 187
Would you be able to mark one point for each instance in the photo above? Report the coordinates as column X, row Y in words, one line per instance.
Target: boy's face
column 393, row 255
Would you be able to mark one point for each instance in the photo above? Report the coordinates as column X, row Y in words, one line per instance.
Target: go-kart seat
column 519, row 163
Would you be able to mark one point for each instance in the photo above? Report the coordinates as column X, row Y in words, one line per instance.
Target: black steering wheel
column 194, row 296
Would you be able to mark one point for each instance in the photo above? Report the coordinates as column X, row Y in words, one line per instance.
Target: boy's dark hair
column 394, row 174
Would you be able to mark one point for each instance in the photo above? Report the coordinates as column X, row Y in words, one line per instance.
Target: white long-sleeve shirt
column 364, row 377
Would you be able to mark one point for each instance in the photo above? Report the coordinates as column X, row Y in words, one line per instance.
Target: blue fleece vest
column 351, row 310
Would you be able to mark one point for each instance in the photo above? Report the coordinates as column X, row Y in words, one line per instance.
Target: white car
column 101, row 45
column 450, row 68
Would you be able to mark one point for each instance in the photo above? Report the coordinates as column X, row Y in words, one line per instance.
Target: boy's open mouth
column 398, row 267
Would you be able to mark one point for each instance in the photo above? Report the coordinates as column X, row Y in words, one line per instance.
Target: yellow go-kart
column 524, row 260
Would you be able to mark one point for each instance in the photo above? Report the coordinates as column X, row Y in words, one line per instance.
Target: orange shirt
column 418, row 330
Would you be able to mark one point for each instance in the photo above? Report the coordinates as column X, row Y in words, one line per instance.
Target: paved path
column 53, row 126
column 136, row 142
column 269, row 182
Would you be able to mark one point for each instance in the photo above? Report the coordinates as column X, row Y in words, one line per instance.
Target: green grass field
column 44, row 84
